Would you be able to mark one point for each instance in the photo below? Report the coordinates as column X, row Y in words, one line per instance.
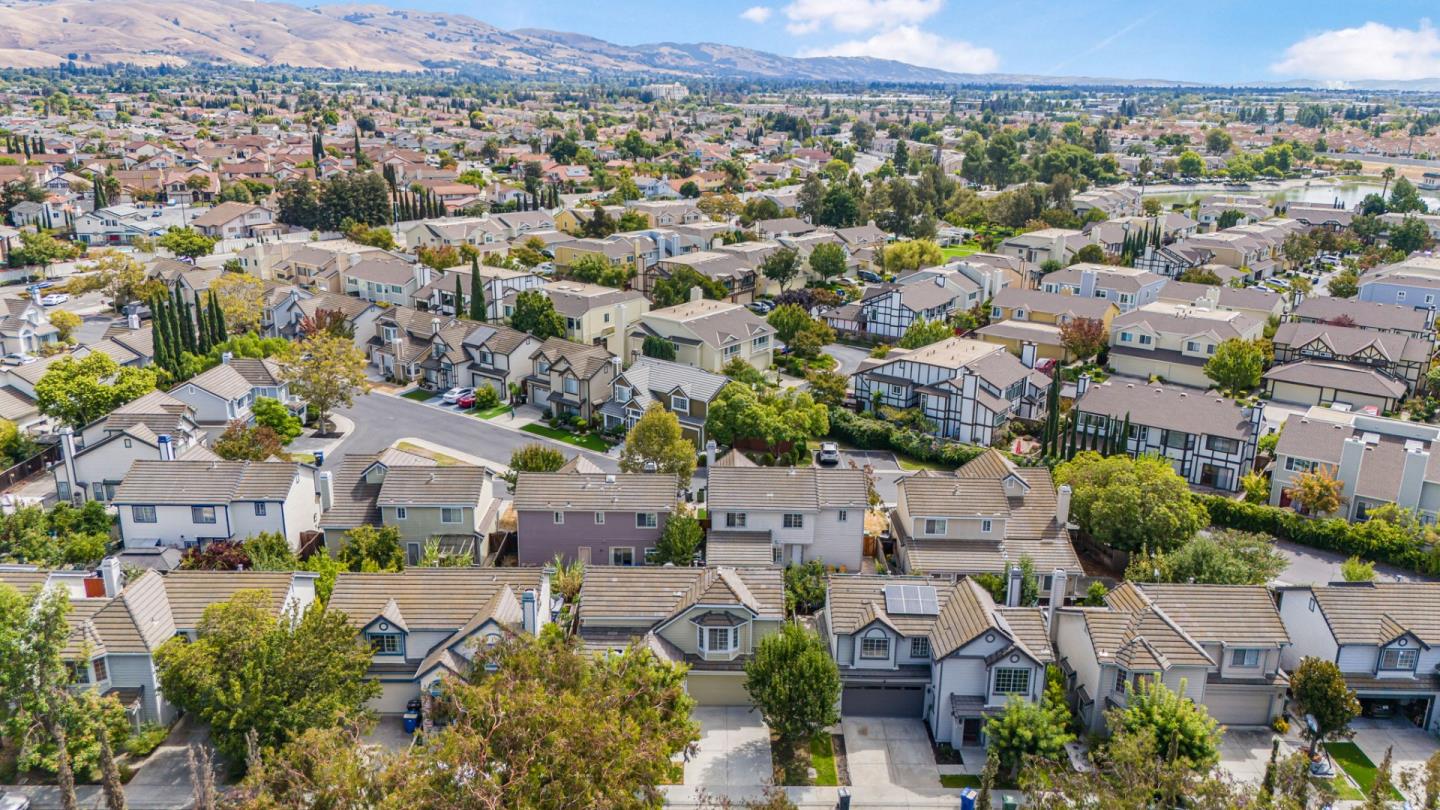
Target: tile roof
column 806, row 488
column 1375, row 612
column 1228, row 614
column 1169, row 407
column 459, row 485
column 151, row 481
column 642, row 596
column 589, row 492
column 428, row 598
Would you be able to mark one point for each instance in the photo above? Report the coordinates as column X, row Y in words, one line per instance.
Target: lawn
column 822, row 759
column 960, row 250
column 959, row 780
column 911, row 465
column 303, row 458
column 1352, row 760
column 490, row 413
column 791, row 765
column 439, row 458
column 588, row 442
column 418, row 394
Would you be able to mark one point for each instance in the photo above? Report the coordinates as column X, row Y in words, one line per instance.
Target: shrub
column 1375, row 540
column 146, row 740
column 867, row 433
column 486, row 397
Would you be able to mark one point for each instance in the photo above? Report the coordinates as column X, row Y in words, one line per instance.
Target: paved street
column 849, row 357
column 381, row 420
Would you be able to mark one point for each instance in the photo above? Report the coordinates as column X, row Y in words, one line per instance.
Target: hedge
column 865, row 433
column 1374, row 540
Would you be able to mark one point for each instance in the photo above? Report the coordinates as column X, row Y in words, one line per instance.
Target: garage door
column 393, row 697
column 539, row 395
column 1239, row 707
column 717, row 689
column 883, row 701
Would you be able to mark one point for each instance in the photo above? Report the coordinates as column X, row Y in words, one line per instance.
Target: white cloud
column 757, row 14
column 854, row 16
column 1372, row 51
column 913, row 46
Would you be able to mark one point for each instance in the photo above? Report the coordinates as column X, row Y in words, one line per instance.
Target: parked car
column 19, row 359
column 14, row 801
column 866, row 275
column 466, row 401
column 453, row 396
column 762, row 307
column 54, row 298
column 829, row 454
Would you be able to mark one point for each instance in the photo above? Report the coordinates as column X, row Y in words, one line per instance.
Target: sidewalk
column 814, row 798
column 309, row 444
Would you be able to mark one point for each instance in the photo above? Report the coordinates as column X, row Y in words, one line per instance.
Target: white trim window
column 680, row 404
column 794, row 520
column 599, row 518
column 936, row 526
column 920, row 647
column 646, row 520
column 718, row 639
column 451, row 514
column 735, row 520
column 1245, row 658
column 1394, row 658
column 558, row 518
column 143, row 514
column 1012, row 681
column 875, row 647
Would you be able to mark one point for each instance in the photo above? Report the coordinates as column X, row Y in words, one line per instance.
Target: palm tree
column 1388, row 174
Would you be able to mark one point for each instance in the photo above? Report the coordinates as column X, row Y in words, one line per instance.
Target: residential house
column 710, row 618
column 811, row 513
column 425, row 625
column 597, row 519
column 1127, row 287
column 226, row 392
column 497, row 284
column 570, row 379
column 190, row 503
column 1173, row 259
column 384, row 279
column 1307, row 356
column 1333, row 217
column 1372, row 315
column 594, row 314
column 1113, row 202
column 982, row 519
column 25, row 327
column 1414, row 282
column 93, row 463
column 1247, row 208
column 885, row 311
column 1045, row 245
column 1262, row 305
column 499, row 357
column 1210, row 440
column 707, row 334
column 1174, row 342
column 683, row 390
column 234, row 220
column 1020, row 316
column 970, row 389
column 123, row 224
column 404, row 338
column 291, row 305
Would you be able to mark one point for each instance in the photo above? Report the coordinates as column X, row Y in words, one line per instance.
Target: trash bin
column 967, row 799
column 412, row 722
column 319, row 457
column 1010, row 803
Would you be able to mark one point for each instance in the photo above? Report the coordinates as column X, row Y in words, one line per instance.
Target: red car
column 467, row 401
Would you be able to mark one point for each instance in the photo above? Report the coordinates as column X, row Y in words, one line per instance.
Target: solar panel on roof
column 911, row 600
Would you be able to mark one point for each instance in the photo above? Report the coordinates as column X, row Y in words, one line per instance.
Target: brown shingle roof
column 428, row 598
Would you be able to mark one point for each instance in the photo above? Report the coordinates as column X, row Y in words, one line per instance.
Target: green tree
column 1190, row 164
column 781, row 267
column 66, row 322
column 740, row 413
column 1409, row 236
column 33, row 636
column 911, row 255
column 828, row 387
column 805, row 587
column 1027, row 729
column 272, row 413
column 186, row 242
column 242, row 441
column 794, row 682
column 1355, row 569
column 77, row 392
column 252, row 671
column 1320, row 695
column 478, row 309
column 43, row 249
column 658, row 348
column 1183, row 729
column 535, row 313
column 1090, row 254
column 675, row 289
column 923, row 333
column 827, row 261
column 1236, row 365
column 1405, row 198
column 1217, row 141
column 1221, row 557
column 1344, row 284
column 270, row 551
column 788, row 320
column 680, row 540
column 1135, row 505
column 592, row 268
column 656, row 444
column 1200, row 275
column 372, row 549
column 325, row 371
column 533, row 457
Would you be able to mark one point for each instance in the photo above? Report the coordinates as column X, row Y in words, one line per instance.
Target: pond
column 1347, row 193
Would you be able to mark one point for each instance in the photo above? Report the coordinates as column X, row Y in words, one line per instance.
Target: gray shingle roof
column 151, row 481
column 558, row 492
column 460, row 485
column 806, row 488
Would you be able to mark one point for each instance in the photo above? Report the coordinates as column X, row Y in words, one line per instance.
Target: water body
column 1347, row 193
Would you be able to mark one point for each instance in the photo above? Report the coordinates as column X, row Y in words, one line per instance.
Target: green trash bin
column 1010, row 803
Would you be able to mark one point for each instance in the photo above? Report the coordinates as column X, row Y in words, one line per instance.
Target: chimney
column 112, row 576
column 1057, row 598
column 132, row 318
column 1027, row 354
column 1412, row 475
column 709, row 453
column 696, row 294
column 67, row 450
column 422, row 275
column 327, row 491
column 1081, row 386
column 1062, row 504
column 527, row 609
column 35, row 296
column 1352, row 458
column 434, row 326
column 225, row 358
column 167, row 448
column 1013, row 587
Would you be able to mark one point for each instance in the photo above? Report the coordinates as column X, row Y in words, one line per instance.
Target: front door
column 970, row 731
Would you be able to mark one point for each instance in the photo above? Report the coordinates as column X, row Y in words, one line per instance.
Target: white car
column 454, row 395
column 14, row 801
column 54, row 298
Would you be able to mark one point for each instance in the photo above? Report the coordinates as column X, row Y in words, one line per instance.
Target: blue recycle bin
column 968, row 797
column 412, row 722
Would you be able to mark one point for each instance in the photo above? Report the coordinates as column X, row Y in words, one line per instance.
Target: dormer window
column 719, row 639
column 679, row 403
column 622, row 393
column 875, row 647
column 385, row 643
column 1398, row 659
column 935, row 526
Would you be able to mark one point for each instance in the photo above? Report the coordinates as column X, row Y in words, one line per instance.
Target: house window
column 385, row 643
column 558, row 518
column 1192, row 346
column 1146, row 340
column 623, row 555
column 1400, row 295
column 794, row 520
column 985, row 526
column 572, row 385
column 843, row 517
column 102, row 672
column 1245, row 658
column 680, row 404
column 202, row 514
column 919, row 648
column 542, row 367
column 935, row 525
column 259, row 509
column 79, row 673
column 1396, row 659
column 995, row 313
column 732, row 350
column 1220, row 444
column 719, row 639
column 401, row 513
column 1299, row 464
column 1126, row 337
column 734, row 520
column 1010, row 681
column 599, row 518
column 646, row 520
column 127, row 442
column 760, row 343
column 897, row 390
column 622, row 393
column 873, row 647
column 450, row 514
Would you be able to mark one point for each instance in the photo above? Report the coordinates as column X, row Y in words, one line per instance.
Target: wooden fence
column 29, row 467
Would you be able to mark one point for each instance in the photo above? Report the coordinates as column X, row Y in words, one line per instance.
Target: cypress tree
column 1125, row 435
column 477, row 291
column 158, row 333
column 217, row 319
column 459, row 297
column 187, row 322
column 1074, row 426
column 202, row 326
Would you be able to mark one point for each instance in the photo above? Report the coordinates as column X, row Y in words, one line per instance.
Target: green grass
column 1344, row 791
column 418, row 394
column 303, row 458
column 1353, row 761
column 911, row 465
column 959, row 780
column 959, row 250
column 439, row 458
column 822, row 759
column 587, row 442
column 490, row 413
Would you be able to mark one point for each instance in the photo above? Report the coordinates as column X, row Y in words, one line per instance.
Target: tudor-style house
column 1383, row 637
column 1309, row 357
column 426, row 624
column 570, row 379
column 805, row 513
column 933, row 648
column 1019, row 316
column 709, row 618
column 594, row 518
column 968, row 388
column 886, row 311
column 1210, row 440
column 683, row 390
column 981, row 519
column 1374, row 316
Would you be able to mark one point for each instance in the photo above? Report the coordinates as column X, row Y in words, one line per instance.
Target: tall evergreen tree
column 459, row 298
column 217, row 319
column 203, row 334
column 157, row 326
column 477, row 291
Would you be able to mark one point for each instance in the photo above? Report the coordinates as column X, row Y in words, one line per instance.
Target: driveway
column 849, row 357
column 889, row 752
column 734, row 748
column 1312, row 565
column 1244, row 753
column 1409, row 746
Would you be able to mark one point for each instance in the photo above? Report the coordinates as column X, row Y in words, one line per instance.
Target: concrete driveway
column 734, row 748
column 849, row 357
column 1409, row 746
column 1244, row 753
column 889, row 751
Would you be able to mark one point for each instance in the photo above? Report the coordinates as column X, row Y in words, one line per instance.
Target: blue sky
column 1214, row 41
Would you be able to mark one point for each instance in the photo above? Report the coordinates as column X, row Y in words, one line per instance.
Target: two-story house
column 933, row 648
column 683, row 390
column 1382, row 635
column 1174, row 342
column 189, row 503
column 885, row 311
column 1035, row 248
column 709, row 618
column 1262, row 305
column 806, row 513
column 707, row 334
column 94, row 461
column 496, row 285
column 1126, row 287
column 970, row 389
column 571, row 379
column 499, row 357
column 1210, row 440
column 1372, row 315
column 384, row 279
column 594, row 315
column 425, row 625
column 226, row 392
column 1019, row 316
column 25, row 328
column 597, row 519
column 1319, row 363
column 234, row 220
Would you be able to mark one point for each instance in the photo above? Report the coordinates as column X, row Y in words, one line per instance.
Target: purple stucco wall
column 539, row 538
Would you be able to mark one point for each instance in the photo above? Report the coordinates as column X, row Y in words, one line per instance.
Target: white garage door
column 717, row 688
column 1239, row 707
column 393, row 697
